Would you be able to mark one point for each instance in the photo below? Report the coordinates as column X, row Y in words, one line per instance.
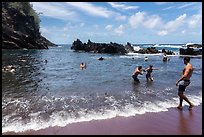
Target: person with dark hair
column 137, row 71
column 45, row 61
column 149, row 72
column 12, row 68
column 101, row 58
column 4, row 69
column 165, row 57
column 146, row 58
column 184, row 81
column 83, row 65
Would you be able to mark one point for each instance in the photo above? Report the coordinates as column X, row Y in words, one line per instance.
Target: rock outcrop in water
column 112, row 48
column 191, row 49
column 20, row 27
column 153, row 50
column 129, row 47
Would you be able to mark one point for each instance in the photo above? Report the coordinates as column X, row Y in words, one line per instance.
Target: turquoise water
column 39, row 94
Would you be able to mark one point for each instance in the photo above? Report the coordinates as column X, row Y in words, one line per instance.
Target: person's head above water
column 139, row 67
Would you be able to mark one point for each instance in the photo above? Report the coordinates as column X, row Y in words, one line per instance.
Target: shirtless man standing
column 185, row 78
column 137, row 71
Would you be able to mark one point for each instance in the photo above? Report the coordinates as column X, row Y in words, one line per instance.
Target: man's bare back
column 187, row 71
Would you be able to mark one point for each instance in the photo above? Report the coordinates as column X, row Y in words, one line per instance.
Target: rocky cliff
column 20, row 27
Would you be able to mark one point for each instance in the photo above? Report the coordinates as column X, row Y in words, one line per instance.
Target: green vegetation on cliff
column 23, row 7
column 20, row 27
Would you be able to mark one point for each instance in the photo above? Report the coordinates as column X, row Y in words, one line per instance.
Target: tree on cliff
column 23, row 7
column 20, row 27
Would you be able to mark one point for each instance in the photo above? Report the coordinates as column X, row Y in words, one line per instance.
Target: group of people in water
column 165, row 57
column 140, row 71
column 83, row 65
column 182, row 82
column 9, row 68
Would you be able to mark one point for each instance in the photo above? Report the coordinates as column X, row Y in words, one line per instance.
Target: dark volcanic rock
column 112, row 48
column 168, row 52
column 129, row 48
column 153, row 50
column 150, row 50
column 19, row 29
column 190, row 51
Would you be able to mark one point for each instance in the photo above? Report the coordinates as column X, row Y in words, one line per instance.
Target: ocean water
column 39, row 94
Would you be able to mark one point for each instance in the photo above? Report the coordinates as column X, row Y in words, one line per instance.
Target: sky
column 121, row 22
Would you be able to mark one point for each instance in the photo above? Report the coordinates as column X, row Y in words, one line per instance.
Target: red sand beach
column 172, row 122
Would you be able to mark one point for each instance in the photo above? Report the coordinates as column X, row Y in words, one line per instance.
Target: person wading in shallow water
column 165, row 58
column 137, row 71
column 149, row 72
column 184, row 81
column 83, row 66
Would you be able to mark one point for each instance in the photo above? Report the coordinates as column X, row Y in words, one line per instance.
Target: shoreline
column 171, row 122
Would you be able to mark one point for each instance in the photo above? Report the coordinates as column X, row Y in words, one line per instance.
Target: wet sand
column 171, row 122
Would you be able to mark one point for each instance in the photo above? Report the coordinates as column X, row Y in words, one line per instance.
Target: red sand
column 172, row 122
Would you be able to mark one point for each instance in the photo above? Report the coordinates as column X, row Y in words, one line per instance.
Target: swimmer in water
column 83, row 65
